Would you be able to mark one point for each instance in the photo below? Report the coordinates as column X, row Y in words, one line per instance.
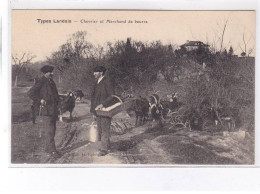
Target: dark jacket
column 45, row 89
column 102, row 94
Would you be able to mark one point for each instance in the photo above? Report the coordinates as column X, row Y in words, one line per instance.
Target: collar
column 99, row 79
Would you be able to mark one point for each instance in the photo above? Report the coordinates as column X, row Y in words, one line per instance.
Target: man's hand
column 99, row 107
column 43, row 102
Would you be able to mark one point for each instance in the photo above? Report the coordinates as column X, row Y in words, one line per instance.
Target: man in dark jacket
column 45, row 98
column 102, row 97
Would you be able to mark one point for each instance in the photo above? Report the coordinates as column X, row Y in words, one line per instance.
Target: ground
column 146, row 144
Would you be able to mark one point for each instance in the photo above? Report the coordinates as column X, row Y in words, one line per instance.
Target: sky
column 170, row 27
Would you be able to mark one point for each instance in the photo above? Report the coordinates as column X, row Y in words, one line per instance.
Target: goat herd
column 152, row 108
column 208, row 118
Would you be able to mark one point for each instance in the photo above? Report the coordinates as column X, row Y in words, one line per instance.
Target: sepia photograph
column 132, row 87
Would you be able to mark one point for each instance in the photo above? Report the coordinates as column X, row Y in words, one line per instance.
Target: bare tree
column 98, row 52
column 217, row 41
column 79, row 46
column 21, row 62
column 72, row 55
column 244, row 47
column 223, row 34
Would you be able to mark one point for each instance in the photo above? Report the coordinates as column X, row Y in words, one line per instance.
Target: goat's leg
column 61, row 117
column 136, row 120
column 142, row 120
column 231, row 125
column 70, row 115
column 34, row 113
column 153, row 123
column 159, row 121
column 216, row 122
column 139, row 120
column 33, row 118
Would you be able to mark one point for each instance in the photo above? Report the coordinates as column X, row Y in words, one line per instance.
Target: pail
column 93, row 132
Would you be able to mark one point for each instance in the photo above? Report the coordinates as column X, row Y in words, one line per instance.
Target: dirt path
column 146, row 144
column 149, row 144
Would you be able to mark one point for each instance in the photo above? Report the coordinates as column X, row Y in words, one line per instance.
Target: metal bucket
column 93, row 132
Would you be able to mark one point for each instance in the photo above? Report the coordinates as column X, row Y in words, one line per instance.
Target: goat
column 196, row 121
column 225, row 120
column 79, row 94
column 141, row 108
column 170, row 105
column 156, row 109
column 67, row 104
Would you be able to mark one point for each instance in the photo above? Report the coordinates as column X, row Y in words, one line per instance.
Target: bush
column 212, row 97
column 224, row 87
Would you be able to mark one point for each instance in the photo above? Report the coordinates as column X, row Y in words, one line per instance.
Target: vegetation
column 204, row 80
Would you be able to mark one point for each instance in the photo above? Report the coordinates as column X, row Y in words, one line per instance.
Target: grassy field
column 21, row 105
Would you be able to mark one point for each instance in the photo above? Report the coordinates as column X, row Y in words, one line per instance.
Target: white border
column 136, row 4
column 144, row 177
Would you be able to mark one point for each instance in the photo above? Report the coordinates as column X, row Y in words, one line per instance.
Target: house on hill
column 194, row 45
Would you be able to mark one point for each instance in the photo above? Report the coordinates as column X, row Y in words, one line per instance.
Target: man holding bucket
column 101, row 96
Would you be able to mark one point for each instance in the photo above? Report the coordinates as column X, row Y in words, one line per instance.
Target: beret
column 100, row 69
column 47, row 68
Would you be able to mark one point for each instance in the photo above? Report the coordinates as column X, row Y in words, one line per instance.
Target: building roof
column 194, row 43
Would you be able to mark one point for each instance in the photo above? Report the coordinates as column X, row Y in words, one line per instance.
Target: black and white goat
column 156, row 109
column 68, row 102
column 224, row 119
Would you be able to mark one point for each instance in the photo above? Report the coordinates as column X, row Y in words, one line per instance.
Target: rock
column 240, row 135
column 248, row 136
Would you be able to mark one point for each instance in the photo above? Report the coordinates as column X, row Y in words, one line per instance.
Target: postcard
column 133, row 87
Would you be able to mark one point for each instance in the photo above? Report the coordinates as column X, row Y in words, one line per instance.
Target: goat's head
column 169, row 96
column 154, row 99
column 76, row 94
column 172, row 97
column 70, row 93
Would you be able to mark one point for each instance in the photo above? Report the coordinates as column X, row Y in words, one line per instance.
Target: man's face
column 49, row 74
column 97, row 74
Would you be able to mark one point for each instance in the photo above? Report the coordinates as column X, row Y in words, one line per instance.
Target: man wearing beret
column 45, row 98
column 101, row 97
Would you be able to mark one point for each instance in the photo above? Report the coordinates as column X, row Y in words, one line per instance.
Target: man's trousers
column 47, row 126
column 103, row 127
